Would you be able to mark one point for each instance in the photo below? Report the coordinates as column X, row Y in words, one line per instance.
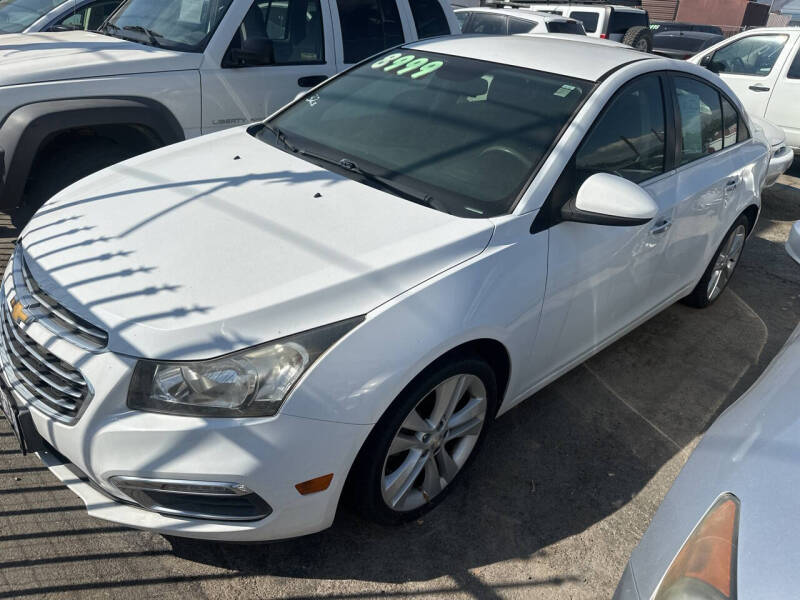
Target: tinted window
column 289, row 32
column 466, row 133
column 487, row 23
column 429, row 18
column 16, row 16
column 520, row 26
column 794, row 69
column 589, row 19
column 730, row 124
column 565, row 27
column 752, row 55
column 621, row 21
column 462, row 18
column 368, row 26
column 629, row 137
column 88, row 18
column 701, row 119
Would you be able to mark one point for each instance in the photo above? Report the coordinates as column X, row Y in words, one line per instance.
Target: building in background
column 731, row 15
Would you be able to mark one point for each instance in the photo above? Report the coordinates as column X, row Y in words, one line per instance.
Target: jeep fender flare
column 26, row 128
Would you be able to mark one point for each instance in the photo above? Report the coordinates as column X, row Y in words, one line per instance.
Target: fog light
column 218, row 501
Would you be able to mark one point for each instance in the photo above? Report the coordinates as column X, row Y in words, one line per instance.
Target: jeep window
column 432, row 128
column 183, row 25
column 429, row 18
column 18, row 15
column 88, row 18
column 622, row 20
column 589, row 19
column 565, row 27
column 279, row 32
column 368, row 26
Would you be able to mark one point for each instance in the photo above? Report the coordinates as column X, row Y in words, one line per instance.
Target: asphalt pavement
column 561, row 493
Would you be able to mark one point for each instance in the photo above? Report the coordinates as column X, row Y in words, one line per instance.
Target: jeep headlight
column 248, row 383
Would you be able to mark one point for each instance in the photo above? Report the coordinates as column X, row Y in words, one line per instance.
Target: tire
column 722, row 266
column 640, row 38
column 62, row 166
column 393, row 452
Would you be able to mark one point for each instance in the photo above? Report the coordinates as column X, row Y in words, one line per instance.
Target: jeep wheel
column 640, row 38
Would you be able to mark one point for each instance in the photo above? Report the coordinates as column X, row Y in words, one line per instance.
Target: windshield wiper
column 151, row 35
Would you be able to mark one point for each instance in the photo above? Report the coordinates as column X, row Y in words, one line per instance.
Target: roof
column 521, row 13
column 588, row 6
column 581, row 57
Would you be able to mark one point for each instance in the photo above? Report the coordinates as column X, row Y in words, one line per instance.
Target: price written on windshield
column 407, row 64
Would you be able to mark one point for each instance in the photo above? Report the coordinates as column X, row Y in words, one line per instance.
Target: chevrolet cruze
column 218, row 338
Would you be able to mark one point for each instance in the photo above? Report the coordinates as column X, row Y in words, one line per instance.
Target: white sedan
column 218, row 338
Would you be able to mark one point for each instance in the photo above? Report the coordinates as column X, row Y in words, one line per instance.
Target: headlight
column 705, row 567
column 248, row 383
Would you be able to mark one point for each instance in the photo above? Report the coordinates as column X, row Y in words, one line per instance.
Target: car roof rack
column 528, row 3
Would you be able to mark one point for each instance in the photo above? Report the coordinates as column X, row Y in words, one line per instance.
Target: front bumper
column 268, row 456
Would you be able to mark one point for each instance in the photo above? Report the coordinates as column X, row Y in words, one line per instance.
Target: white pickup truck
column 161, row 71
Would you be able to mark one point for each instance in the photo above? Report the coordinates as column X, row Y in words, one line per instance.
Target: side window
column 487, row 23
column 794, row 69
column 88, row 18
column 520, row 26
column 701, row 119
column 368, row 26
column 629, row 137
column 589, row 19
column 429, row 18
column 730, row 124
column 279, row 32
column 752, row 55
column 622, row 20
column 462, row 16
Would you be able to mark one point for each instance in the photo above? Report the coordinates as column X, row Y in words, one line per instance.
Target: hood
column 56, row 56
column 751, row 451
column 224, row 242
column 772, row 134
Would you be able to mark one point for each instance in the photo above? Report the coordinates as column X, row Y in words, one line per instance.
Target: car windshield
column 18, row 15
column 460, row 135
column 184, row 25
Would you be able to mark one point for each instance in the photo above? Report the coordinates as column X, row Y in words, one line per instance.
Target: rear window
column 429, row 18
column 564, row 27
column 486, row 23
column 589, row 19
column 621, row 21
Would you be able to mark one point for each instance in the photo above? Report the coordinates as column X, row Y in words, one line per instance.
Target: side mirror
column 606, row 199
column 793, row 243
column 708, row 62
column 254, row 52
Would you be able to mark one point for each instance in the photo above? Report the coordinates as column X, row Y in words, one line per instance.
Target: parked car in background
column 161, row 71
column 664, row 26
column 726, row 529
column 626, row 24
column 682, row 44
column 762, row 66
column 500, row 21
column 781, row 155
column 27, row 16
column 348, row 293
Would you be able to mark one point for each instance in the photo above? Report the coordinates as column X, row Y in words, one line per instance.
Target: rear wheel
column 640, row 38
column 720, row 270
column 424, row 441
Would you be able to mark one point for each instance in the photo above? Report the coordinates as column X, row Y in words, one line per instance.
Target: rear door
column 750, row 66
column 783, row 108
column 280, row 48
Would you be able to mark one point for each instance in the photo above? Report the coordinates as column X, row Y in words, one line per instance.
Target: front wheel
column 424, row 441
column 720, row 270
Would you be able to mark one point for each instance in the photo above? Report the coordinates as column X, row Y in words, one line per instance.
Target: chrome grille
column 50, row 313
column 39, row 376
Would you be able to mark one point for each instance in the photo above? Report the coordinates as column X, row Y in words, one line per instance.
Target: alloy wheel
column 434, row 442
column 726, row 262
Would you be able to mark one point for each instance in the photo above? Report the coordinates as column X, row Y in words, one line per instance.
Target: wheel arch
column 751, row 212
column 28, row 129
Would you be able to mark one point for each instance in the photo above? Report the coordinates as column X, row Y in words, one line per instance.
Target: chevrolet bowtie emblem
column 18, row 313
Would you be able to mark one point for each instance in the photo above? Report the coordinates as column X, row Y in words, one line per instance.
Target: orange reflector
column 312, row 486
column 709, row 555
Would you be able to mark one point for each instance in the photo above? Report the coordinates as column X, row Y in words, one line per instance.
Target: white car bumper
column 779, row 163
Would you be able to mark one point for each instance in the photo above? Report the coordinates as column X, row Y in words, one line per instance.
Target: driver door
column 281, row 48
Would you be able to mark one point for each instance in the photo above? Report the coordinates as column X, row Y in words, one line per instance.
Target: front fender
column 26, row 128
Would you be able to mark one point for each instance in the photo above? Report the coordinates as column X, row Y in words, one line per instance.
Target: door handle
column 757, row 87
column 311, row 80
column 662, row 226
column 731, row 185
